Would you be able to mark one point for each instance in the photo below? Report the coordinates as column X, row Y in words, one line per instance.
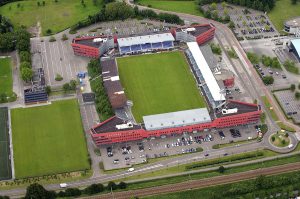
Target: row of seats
column 148, row 46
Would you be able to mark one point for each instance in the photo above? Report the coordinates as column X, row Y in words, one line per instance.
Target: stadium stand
column 144, row 43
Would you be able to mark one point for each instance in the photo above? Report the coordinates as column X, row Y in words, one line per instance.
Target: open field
column 48, row 139
column 55, row 16
column 283, row 11
column 6, row 76
column 5, row 169
column 189, row 7
column 159, row 83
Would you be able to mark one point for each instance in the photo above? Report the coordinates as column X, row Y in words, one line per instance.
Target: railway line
column 202, row 183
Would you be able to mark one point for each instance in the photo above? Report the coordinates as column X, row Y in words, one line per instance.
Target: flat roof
column 295, row 22
column 206, row 72
column 175, row 119
column 296, row 44
column 199, row 29
column 240, row 106
column 155, row 38
column 88, row 42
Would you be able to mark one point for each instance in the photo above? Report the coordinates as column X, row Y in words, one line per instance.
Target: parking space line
column 43, row 53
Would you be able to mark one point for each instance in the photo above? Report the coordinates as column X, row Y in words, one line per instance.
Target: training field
column 5, row 76
column 56, row 16
column 48, row 139
column 183, row 6
column 159, row 83
column 5, row 169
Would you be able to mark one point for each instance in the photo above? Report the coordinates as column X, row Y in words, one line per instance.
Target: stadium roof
column 296, row 44
column 175, row 119
column 129, row 41
column 206, row 72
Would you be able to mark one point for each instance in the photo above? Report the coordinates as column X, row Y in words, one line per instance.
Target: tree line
column 102, row 103
column 121, row 11
column 3, row 2
column 38, row 191
column 262, row 5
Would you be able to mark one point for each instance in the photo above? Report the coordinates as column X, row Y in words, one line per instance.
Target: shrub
column 52, row 39
column 268, row 80
column 273, row 138
column 216, row 49
column 58, row 77
column 64, row 37
column 293, row 87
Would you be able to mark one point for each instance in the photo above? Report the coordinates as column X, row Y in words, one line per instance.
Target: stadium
column 157, row 88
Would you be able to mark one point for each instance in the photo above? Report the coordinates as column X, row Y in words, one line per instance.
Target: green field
column 6, row 76
column 55, row 16
column 189, row 7
column 283, row 11
column 159, row 83
column 5, row 169
column 48, row 139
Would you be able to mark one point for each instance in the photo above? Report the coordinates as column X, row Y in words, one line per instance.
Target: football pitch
column 6, row 83
column 159, row 83
column 48, row 139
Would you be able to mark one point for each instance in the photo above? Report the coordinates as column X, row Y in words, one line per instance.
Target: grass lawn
column 283, row 11
column 159, row 83
column 55, row 16
column 270, row 108
column 48, row 139
column 189, row 7
column 218, row 146
column 6, row 81
column 280, row 140
column 285, row 127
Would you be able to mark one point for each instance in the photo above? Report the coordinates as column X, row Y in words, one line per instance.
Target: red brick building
column 108, row 132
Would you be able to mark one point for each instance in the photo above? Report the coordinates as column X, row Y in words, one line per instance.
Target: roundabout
column 280, row 139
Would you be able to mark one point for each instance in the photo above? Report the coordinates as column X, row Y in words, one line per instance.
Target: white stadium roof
column 206, row 72
column 296, row 44
column 129, row 41
column 175, row 119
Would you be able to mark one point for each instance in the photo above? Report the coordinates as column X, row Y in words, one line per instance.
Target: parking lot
column 57, row 58
column 248, row 23
column 290, row 105
column 122, row 155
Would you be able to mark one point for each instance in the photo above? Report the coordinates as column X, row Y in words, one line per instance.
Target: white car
column 63, row 185
column 131, row 169
column 290, row 146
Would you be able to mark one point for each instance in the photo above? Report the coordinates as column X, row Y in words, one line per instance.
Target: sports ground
column 48, row 139
column 159, row 83
column 5, row 168
column 6, row 76
column 56, row 16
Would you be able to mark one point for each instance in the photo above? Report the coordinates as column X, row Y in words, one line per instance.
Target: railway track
column 196, row 184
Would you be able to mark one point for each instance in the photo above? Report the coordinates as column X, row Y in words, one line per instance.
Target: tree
column 64, row 37
column 48, row 31
column 273, row 138
column 3, row 98
column 69, row 192
column 297, row 95
column 66, row 87
column 268, row 80
column 283, row 142
column 7, row 42
column 38, row 4
column 93, row 189
column 293, row 87
column 25, row 56
column 213, row 6
column 22, row 39
column 221, row 169
column 37, row 191
column 216, row 49
column 26, row 74
column 58, row 77
column 48, row 89
column 111, row 186
column 118, row 10
column 44, row 3
column 294, row 2
column 299, row 86
column 122, row 185
column 73, row 84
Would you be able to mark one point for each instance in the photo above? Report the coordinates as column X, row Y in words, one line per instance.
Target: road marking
column 47, row 66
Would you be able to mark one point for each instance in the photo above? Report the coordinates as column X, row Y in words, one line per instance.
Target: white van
column 131, row 169
column 63, row 185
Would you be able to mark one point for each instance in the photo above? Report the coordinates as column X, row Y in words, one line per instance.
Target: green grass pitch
column 5, row 169
column 159, row 83
column 56, row 16
column 6, row 76
column 48, row 139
